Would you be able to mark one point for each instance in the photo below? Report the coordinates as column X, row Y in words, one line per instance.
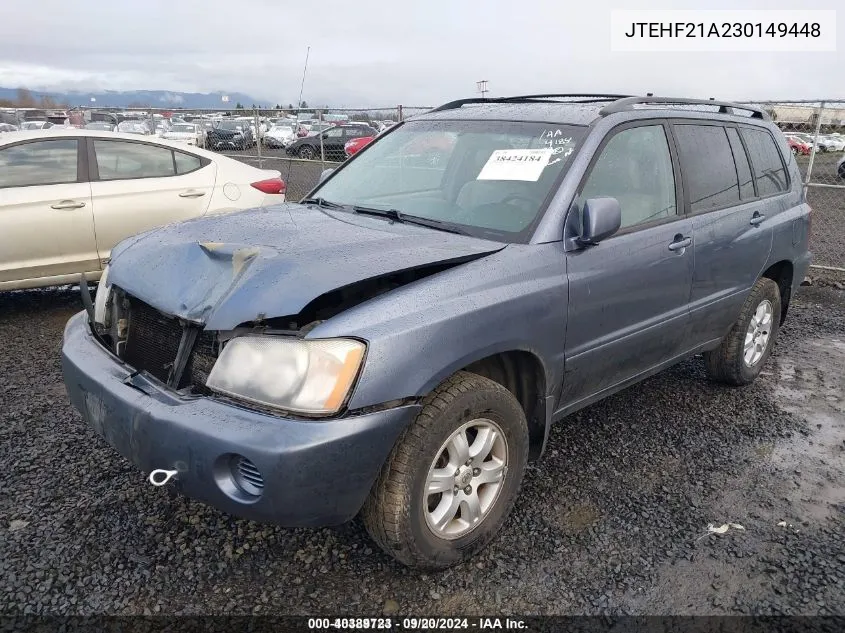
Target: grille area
column 152, row 339
column 248, row 477
column 200, row 362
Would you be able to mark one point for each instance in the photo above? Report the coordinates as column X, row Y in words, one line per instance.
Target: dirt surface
column 613, row 520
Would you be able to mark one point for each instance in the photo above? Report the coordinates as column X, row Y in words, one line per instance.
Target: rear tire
column 435, row 530
column 743, row 352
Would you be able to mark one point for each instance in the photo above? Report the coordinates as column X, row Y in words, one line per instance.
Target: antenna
column 302, row 86
column 481, row 86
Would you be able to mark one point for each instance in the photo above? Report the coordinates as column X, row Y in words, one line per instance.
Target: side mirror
column 325, row 174
column 600, row 218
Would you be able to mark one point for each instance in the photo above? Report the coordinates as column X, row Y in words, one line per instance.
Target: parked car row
column 330, row 142
column 802, row 143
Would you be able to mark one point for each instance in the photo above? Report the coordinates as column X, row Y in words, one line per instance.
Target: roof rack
column 539, row 98
column 725, row 107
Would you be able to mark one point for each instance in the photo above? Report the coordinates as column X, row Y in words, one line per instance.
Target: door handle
column 192, row 194
column 67, row 204
column 680, row 243
column 757, row 219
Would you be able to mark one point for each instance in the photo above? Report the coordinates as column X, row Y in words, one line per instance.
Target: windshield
column 488, row 178
column 282, row 128
column 32, row 125
column 100, row 126
column 231, row 125
column 184, row 128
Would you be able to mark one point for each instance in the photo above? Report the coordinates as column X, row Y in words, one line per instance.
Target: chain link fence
column 815, row 131
column 298, row 142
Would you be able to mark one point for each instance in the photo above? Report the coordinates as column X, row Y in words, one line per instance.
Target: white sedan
column 832, row 143
column 187, row 133
column 68, row 196
column 280, row 135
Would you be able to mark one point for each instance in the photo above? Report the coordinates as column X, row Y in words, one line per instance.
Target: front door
column 629, row 295
column 46, row 222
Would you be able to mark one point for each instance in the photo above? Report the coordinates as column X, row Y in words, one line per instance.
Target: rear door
column 136, row 186
column 628, row 295
column 46, row 221
column 333, row 141
column 733, row 236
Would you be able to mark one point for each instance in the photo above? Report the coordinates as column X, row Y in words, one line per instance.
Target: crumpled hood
column 225, row 270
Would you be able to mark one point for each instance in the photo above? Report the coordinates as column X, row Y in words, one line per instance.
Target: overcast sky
column 376, row 53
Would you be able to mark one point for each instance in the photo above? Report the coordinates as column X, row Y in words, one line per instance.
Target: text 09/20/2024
column 418, row 624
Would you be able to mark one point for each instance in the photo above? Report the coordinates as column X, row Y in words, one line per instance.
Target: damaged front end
column 181, row 353
column 224, row 307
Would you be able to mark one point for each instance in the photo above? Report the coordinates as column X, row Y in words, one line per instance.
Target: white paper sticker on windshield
column 516, row 164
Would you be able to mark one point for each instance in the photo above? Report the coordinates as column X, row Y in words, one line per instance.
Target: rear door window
column 707, row 164
column 766, row 162
column 120, row 160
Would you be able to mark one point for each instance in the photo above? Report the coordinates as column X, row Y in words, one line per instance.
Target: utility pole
column 481, row 86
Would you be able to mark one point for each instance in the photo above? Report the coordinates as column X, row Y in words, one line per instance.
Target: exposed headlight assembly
column 305, row 376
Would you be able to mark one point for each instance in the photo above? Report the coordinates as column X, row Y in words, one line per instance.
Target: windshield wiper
column 322, row 203
column 404, row 218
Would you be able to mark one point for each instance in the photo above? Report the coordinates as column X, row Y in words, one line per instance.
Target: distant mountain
column 147, row 98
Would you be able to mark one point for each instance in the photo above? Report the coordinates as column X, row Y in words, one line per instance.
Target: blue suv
column 399, row 342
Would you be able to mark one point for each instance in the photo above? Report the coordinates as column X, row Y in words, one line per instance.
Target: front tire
column 744, row 351
column 306, row 152
column 453, row 475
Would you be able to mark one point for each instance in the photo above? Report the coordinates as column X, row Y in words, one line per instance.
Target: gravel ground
column 613, row 520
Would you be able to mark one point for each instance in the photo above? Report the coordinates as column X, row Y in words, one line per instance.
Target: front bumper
column 315, row 472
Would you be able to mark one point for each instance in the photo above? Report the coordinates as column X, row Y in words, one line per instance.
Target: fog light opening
column 239, row 478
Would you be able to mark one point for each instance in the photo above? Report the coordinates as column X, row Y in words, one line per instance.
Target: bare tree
column 25, row 98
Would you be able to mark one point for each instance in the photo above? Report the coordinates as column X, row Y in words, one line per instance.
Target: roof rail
column 585, row 95
column 725, row 107
column 539, row 98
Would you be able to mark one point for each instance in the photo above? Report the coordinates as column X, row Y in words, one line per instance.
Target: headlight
column 101, row 299
column 292, row 374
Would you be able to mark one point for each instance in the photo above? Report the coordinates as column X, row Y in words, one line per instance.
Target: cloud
column 377, row 54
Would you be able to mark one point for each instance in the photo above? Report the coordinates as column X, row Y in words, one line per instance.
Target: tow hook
column 160, row 476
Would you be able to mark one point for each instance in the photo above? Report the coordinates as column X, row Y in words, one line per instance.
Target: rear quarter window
column 186, row 163
column 766, row 162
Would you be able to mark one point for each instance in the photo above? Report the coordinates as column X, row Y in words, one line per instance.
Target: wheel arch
column 521, row 372
column 782, row 273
